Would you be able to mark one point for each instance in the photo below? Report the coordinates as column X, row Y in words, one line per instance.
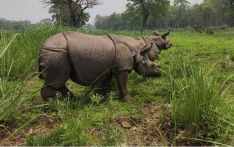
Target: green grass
column 10, row 92
column 198, row 94
column 195, row 95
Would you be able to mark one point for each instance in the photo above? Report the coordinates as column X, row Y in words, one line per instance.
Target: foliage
column 14, row 25
column 70, row 12
column 146, row 9
column 201, row 29
column 114, row 21
column 138, row 13
column 179, row 14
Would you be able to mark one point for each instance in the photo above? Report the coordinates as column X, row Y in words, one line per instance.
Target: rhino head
column 161, row 42
column 145, row 67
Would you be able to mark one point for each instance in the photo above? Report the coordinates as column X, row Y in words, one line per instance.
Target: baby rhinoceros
column 89, row 60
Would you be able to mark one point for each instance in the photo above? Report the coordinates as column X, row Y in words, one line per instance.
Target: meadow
column 192, row 103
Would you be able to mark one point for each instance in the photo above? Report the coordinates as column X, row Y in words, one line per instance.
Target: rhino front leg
column 65, row 92
column 122, row 78
column 47, row 92
column 106, row 85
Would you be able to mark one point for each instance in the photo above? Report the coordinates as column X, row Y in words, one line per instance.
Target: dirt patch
column 177, row 137
column 43, row 124
column 145, row 130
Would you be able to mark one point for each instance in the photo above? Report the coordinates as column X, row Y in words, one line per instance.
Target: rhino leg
column 56, row 69
column 122, row 78
column 106, row 85
column 158, row 65
column 65, row 92
column 47, row 92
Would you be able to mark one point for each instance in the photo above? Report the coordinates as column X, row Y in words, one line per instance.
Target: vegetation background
column 191, row 104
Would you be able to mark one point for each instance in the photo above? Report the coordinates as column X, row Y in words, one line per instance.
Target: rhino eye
column 143, row 62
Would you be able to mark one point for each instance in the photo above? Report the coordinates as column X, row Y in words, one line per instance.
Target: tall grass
column 18, row 58
column 9, row 96
column 24, row 50
column 196, row 97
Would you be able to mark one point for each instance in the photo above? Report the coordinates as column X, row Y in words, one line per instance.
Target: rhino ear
column 167, row 33
column 138, row 58
column 146, row 49
column 157, row 33
column 140, row 55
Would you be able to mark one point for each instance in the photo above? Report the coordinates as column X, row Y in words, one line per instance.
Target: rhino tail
column 40, row 72
column 40, row 67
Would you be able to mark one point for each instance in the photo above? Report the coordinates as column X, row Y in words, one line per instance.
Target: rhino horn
column 167, row 33
column 146, row 49
column 157, row 33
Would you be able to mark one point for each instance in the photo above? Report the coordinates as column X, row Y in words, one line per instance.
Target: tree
column 220, row 11
column 114, row 21
column 15, row 25
column 46, row 21
column 71, row 11
column 147, row 8
column 229, row 13
column 179, row 14
column 231, row 3
column 181, row 7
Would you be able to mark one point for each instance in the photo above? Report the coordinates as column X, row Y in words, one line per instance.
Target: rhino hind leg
column 122, row 78
column 56, row 70
column 105, row 86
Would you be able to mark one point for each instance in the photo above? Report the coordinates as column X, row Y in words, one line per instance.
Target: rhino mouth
column 148, row 72
column 170, row 45
column 155, row 74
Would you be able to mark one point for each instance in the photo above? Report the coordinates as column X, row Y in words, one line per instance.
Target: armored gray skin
column 161, row 41
column 89, row 60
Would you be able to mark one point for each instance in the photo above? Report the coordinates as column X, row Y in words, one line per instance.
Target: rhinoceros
column 89, row 60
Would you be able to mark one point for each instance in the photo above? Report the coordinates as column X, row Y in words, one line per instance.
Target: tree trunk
column 72, row 13
column 146, row 15
column 232, row 3
column 144, row 21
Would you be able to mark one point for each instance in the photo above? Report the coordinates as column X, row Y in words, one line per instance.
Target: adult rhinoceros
column 160, row 42
column 88, row 60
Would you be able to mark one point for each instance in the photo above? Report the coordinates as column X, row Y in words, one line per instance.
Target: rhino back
column 56, row 41
column 92, row 56
column 133, row 43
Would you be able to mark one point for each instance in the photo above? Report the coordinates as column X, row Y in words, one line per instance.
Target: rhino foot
column 127, row 98
column 47, row 92
column 66, row 93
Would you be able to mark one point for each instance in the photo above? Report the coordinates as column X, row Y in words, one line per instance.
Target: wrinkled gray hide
column 90, row 57
column 86, row 59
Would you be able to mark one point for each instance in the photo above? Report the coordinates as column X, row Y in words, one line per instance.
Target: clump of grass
column 9, row 93
column 24, row 50
column 227, row 63
column 196, row 95
column 179, row 67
